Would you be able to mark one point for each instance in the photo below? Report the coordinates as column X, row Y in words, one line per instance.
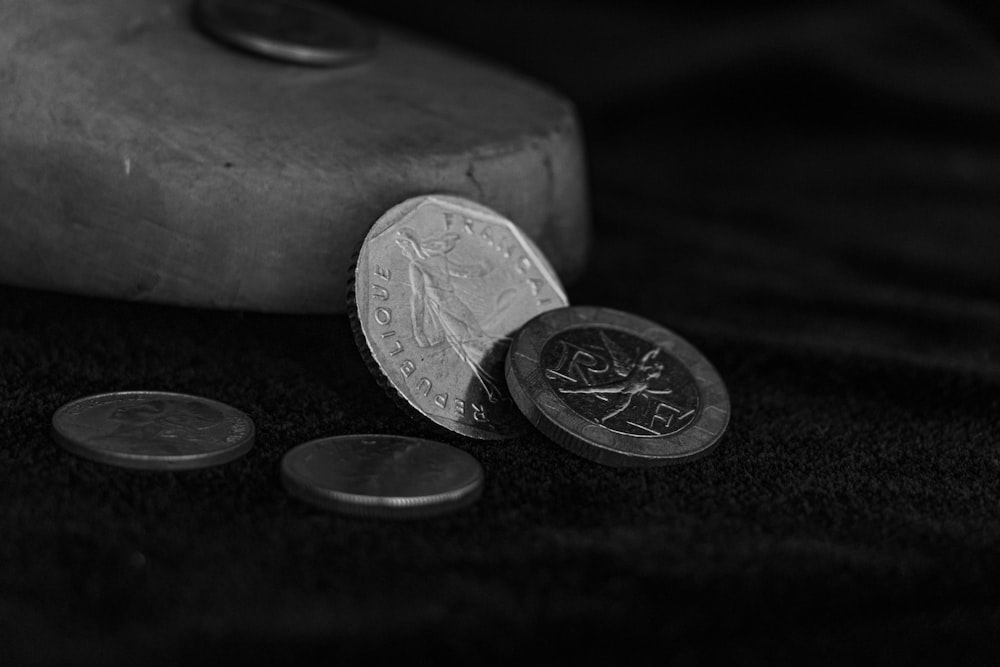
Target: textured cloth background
column 811, row 196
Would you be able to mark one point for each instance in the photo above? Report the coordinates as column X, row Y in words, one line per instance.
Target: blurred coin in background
column 384, row 476
column 153, row 430
column 303, row 32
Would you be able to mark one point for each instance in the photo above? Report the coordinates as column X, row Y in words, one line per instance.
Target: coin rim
column 567, row 428
column 151, row 462
column 383, row 507
column 291, row 52
column 359, row 321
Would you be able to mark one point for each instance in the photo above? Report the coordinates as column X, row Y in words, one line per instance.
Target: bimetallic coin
column 153, row 430
column 304, row 32
column 439, row 286
column 382, row 476
column 616, row 388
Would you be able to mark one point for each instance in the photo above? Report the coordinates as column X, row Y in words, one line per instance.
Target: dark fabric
column 810, row 195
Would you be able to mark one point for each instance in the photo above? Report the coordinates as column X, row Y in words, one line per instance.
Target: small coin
column 382, row 475
column 616, row 388
column 439, row 286
column 304, row 32
column 153, row 430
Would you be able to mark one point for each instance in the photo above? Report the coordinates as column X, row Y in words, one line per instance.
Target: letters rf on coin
column 439, row 287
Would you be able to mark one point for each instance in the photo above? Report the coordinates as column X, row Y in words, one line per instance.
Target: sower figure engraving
column 437, row 313
column 636, row 378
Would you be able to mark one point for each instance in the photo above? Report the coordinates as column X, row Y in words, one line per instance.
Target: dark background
column 809, row 193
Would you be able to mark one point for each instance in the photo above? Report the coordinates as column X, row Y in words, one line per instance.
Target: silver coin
column 304, row 32
column 153, row 430
column 616, row 388
column 382, row 475
column 439, row 286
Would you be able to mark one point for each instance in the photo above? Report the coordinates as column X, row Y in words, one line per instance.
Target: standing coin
column 616, row 388
column 305, row 32
column 153, row 430
column 382, row 475
column 439, row 286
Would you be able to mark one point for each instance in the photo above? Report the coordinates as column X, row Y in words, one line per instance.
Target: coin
column 616, row 388
column 304, row 32
column 382, row 475
column 153, row 430
column 439, row 286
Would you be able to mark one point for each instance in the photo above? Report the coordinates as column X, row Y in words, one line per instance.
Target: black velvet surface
column 809, row 195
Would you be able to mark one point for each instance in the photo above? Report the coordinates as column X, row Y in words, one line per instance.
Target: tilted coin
column 153, row 430
column 382, row 475
column 439, row 286
column 305, row 32
column 616, row 388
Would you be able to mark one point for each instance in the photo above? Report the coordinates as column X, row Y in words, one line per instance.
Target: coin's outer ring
column 380, row 507
column 363, row 46
column 546, row 410
column 145, row 462
column 358, row 303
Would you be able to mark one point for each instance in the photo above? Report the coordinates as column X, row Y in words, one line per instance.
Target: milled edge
column 361, row 341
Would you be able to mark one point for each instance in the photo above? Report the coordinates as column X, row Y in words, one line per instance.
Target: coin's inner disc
column 625, row 383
